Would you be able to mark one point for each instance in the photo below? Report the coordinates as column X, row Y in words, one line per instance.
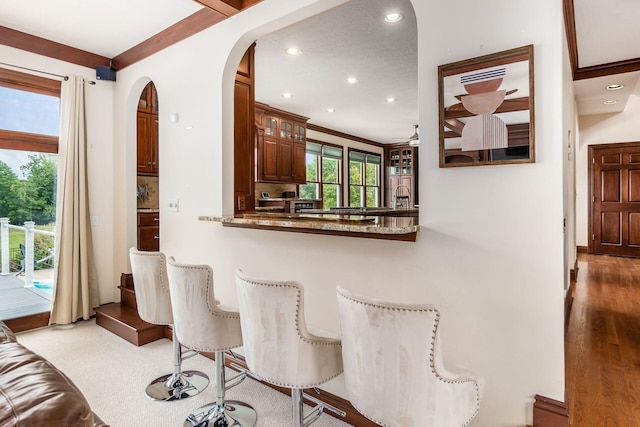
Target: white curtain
column 76, row 290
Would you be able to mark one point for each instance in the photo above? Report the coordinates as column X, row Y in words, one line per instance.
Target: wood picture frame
column 486, row 109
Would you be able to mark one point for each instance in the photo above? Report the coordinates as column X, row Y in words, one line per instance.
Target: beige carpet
column 112, row 374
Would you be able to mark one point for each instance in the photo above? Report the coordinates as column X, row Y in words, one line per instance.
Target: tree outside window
column 29, row 128
column 324, row 177
column 364, row 179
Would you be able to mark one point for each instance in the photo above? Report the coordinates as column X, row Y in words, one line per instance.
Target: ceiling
column 335, row 45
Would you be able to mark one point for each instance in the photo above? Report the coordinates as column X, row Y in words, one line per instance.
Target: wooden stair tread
column 125, row 322
column 126, row 315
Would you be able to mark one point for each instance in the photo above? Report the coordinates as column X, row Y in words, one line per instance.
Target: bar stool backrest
column 393, row 367
column 201, row 323
column 152, row 290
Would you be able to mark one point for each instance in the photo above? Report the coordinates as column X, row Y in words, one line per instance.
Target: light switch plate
column 173, row 205
column 95, row 220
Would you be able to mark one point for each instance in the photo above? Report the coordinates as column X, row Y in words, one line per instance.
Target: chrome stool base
column 177, row 386
column 234, row 413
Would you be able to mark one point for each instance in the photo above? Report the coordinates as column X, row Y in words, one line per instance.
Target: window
column 364, row 179
column 29, row 112
column 324, row 174
column 29, row 129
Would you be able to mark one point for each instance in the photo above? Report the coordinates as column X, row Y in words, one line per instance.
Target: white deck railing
column 29, row 232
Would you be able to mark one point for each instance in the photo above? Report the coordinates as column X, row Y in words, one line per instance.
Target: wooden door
column 615, row 218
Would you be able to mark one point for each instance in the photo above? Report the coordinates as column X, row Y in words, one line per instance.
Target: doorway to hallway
column 614, row 222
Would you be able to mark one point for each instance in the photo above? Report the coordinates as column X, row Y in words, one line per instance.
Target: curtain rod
column 37, row 71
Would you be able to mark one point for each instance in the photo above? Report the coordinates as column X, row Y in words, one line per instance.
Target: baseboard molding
column 582, row 249
column 353, row 417
column 550, row 413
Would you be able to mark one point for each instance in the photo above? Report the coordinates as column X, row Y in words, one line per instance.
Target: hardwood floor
column 602, row 344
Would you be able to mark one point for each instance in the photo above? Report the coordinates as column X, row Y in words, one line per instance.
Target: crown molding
column 593, row 71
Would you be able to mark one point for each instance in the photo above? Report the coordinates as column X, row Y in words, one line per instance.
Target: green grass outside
column 17, row 236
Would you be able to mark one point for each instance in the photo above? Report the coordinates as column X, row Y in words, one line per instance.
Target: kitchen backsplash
column 147, row 192
column 274, row 190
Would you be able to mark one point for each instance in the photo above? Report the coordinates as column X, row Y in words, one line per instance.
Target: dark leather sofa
column 33, row 393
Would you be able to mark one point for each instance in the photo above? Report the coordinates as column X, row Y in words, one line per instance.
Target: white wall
column 601, row 129
column 490, row 249
column 99, row 107
column 569, row 119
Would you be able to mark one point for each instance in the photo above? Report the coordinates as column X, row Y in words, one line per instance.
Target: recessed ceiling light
column 287, row 95
column 331, row 110
column 393, row 17
column 293, row 51
column 391, row 99
column 610, row 102
column 615, row 86
column 352, row 80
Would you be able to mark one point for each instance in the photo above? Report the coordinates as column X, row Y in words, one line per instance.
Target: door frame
column 592, row 149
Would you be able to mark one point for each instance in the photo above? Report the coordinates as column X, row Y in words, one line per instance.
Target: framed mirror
column 487, row 109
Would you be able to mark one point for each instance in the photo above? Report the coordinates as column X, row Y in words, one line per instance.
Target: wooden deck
column 18, row 301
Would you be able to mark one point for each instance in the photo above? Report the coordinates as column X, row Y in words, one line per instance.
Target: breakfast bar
column 402, row 228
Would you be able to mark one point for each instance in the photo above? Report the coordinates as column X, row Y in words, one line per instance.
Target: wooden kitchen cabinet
column 147, row 144
column 281, row 145
column 148, row 102
column 244, row 134
column 148, row 231
column 402, row 168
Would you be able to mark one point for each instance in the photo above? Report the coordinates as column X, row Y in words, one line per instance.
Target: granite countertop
column 366, row 211
column 387, row 227
column 148, row 210
column 279, row 199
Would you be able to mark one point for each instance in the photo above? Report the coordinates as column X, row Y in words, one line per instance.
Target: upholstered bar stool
column 277, row 345
column 393, row 367
column 154, row 306
column 203, row 325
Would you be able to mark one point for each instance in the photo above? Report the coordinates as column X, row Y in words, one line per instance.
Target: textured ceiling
column 350, row 40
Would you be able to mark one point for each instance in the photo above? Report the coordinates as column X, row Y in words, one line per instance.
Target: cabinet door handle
column 156, row 219
column 156, row 237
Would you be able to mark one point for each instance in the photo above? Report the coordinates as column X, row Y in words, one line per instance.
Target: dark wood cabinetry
column 147, row 132
column 244, row 134
column 149, row 231
column 402, row 168
column 281, row 145
column 148, row 102
column 147, row 148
